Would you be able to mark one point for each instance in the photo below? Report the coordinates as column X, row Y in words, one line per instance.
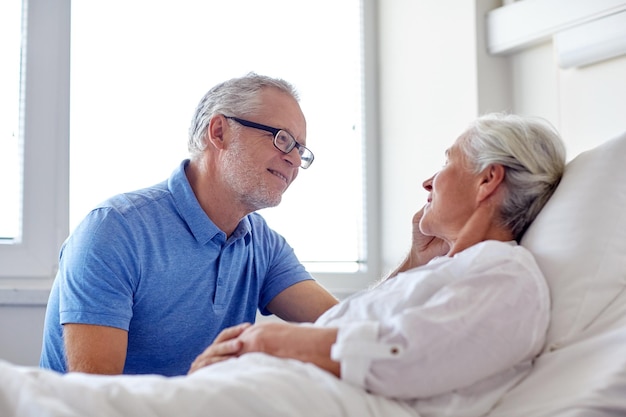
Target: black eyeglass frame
column 306, row 156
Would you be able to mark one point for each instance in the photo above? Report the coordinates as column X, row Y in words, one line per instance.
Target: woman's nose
column 428, row 184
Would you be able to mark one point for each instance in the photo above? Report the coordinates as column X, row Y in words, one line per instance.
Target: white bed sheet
column 253, row 385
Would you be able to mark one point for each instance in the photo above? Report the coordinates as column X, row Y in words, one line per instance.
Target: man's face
column 256, row 171
column 452, row 196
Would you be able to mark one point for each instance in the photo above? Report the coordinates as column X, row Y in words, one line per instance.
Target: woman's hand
column 423, row 247
column 292, row 341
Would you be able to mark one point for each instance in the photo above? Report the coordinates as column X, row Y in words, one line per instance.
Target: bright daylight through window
column 10, row 138
column 138, row 69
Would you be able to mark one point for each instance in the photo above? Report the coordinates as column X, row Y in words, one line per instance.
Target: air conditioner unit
column 592, row 42
column 583, row 31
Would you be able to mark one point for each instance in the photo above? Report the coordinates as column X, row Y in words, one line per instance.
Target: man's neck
column 214, row 199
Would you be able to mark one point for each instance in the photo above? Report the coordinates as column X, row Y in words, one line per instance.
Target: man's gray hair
column 533, row 155
column 235, row 97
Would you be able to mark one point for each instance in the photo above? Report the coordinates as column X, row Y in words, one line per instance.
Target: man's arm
column 302, row 302
column 95, row 349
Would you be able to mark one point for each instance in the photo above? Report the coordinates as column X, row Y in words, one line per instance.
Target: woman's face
column 452, row 196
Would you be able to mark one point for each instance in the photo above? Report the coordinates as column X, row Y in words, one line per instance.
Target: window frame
column 29, row 267
column 345, row 284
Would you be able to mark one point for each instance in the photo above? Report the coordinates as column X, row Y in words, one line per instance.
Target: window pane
column 10, row 138
column 139, row 68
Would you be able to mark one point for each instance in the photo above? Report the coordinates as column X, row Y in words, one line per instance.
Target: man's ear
column 490, row 180
column 215, row 131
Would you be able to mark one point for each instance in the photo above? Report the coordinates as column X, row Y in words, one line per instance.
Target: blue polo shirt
column 152, row 262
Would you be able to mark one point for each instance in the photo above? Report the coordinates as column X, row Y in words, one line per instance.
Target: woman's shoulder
column 498, row 254
column 494, row 248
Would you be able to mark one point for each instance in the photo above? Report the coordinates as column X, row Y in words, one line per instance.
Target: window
column 139, row 68
column 28, row 259
column 10, row 141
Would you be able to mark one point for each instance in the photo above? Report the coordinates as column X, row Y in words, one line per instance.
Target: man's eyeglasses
column 283, row 141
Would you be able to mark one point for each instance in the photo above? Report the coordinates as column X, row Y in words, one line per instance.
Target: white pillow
column 587, row 379
column 579, row 240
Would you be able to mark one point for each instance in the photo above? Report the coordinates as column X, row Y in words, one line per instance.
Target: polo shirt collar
column 200, row 225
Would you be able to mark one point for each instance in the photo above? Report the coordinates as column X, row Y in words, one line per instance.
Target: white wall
column 435, row 77
column 20, row 333
column 587, row 104
column 427, row 94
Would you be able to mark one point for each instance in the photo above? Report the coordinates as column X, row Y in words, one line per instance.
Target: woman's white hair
column 235, row 97
column 533, row 155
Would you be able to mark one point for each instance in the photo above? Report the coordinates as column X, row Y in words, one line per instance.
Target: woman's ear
column 490, row 180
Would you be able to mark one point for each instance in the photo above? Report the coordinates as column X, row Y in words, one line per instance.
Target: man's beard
column 254, row 193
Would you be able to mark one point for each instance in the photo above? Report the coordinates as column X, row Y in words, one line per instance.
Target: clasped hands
column 283, row 340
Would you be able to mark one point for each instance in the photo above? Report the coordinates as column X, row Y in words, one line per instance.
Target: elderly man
column 150, row 278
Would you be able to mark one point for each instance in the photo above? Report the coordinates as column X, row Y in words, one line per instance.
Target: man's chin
column 268, row 203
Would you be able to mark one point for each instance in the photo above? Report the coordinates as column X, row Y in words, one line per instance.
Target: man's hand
column 225, row 346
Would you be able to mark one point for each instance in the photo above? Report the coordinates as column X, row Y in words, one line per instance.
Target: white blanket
column 253, row 385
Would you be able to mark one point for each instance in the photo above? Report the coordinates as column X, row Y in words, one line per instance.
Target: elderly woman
column 448, row 333
column 461, row 320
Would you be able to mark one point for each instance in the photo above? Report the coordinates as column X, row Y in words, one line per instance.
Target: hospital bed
column 579, row 240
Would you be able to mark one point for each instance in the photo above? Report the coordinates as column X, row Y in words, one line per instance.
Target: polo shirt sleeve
column 486, row 319
column 278, row 261
column 98, row 270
